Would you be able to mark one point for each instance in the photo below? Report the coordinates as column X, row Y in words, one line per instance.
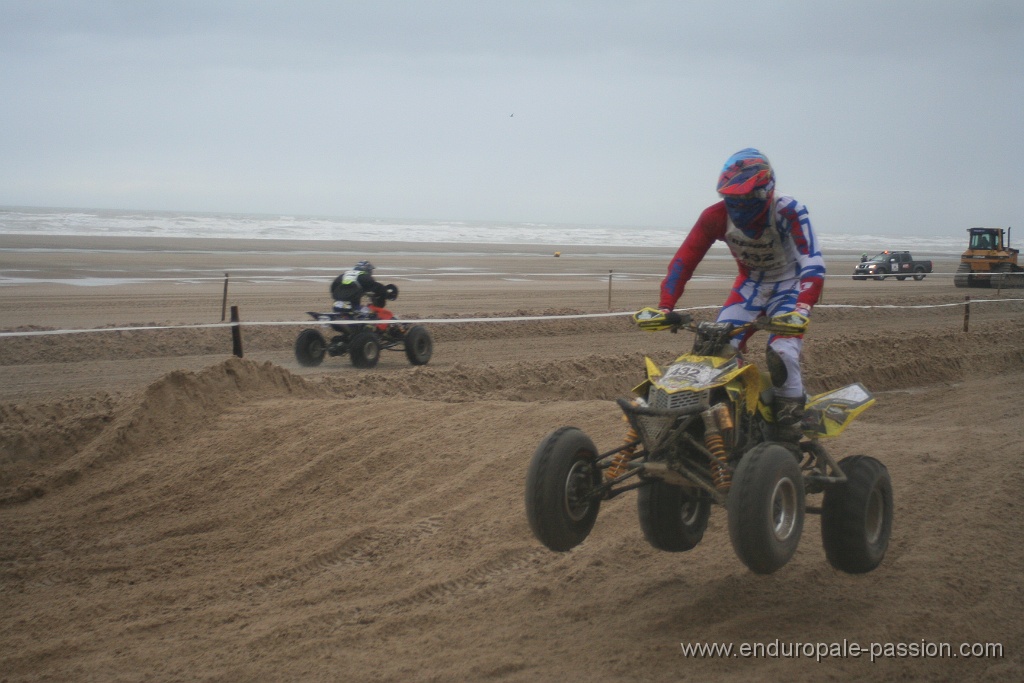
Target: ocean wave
column 81, row 222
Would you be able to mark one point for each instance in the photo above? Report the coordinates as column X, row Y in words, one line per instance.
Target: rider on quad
column 362, row 331
column 348, row 290
column 781, row 269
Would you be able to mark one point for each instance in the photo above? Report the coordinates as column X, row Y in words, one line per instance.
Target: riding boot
column 788, row 414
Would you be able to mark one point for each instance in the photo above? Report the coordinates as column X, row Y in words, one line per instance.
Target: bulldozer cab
column 986, row 239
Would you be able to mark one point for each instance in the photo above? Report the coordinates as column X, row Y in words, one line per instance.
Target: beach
column 170, row 511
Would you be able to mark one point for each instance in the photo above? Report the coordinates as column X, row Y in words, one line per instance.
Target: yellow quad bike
column 701, row 433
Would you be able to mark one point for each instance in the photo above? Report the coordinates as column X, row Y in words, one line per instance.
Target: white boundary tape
column 307, row 323
column 442, row 321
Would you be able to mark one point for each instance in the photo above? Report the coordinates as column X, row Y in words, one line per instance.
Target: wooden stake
column 609, row 290
column 967, row 312
column 236, row 333
column 224, row 301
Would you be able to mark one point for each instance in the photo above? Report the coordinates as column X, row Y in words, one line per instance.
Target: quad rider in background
column 781, row 270
column 348, row 289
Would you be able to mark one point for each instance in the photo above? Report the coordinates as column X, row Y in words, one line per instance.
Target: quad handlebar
column 654, row 320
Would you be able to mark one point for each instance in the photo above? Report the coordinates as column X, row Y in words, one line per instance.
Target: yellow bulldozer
column 989, row 261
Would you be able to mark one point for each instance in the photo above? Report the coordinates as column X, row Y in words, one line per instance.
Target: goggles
column 760, row 194
column 747, row 202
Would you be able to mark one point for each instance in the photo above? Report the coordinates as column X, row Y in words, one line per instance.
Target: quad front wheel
column 766, row 507
column 364, row 351
column 856, row 516
column 560, row 505
column 672, row 518
column 419, row 347
column 310, row 348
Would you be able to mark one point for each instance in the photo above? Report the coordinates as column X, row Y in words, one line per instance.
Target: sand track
column 168, row 512
column 243, row 521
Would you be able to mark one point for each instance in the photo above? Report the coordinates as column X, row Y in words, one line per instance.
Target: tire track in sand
column 362, row 549
column 478, row 579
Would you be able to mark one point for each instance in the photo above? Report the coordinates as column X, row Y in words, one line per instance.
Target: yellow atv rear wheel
column 672, row 518
column 856, row 517
column 766, row 507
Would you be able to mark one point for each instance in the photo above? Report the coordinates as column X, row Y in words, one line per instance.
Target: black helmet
column 364, row 266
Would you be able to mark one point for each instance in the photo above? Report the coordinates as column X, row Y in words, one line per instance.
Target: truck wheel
column 310, row 348
column 419, row 347
column 560, row 482
column 856, row 517
column 364, row 350
column 766, row 508
column 919, row 273
column 881, row 274
column 672, row 518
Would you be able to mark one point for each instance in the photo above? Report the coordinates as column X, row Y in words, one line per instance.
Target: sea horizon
column 84, row 222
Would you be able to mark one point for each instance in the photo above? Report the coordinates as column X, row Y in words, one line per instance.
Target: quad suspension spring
column 716, row 419
column 619, row 460
column 720, row 472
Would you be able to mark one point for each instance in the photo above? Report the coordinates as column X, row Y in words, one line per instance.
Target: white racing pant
column 750, row 300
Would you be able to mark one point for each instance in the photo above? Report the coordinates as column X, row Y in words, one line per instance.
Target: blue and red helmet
column 746, row 184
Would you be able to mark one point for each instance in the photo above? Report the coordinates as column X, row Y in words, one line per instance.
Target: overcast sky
column 882, row 116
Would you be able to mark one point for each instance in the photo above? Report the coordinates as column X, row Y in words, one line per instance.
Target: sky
column 883, row 117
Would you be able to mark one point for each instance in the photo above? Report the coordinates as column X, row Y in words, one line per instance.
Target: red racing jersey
column 786, row 248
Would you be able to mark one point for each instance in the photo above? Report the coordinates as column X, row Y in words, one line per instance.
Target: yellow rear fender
column 830, row 413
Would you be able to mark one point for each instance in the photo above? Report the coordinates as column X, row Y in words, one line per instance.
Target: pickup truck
column 898, row 264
